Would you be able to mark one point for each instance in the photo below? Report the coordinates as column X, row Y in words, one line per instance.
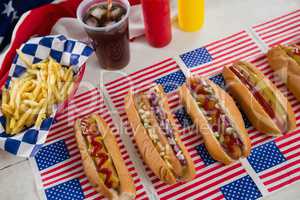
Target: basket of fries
column 44, row 75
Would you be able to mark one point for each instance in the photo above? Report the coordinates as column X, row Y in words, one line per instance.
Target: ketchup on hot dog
column 97, row 151
column 260, row 98
column 216, row 117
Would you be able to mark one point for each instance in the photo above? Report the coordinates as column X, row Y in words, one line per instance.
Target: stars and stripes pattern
column 211, row 176
column 10, row 12
column 211, row 58
column 261, row 62
column 281, row 30
column 214, row 67
column 275, row 161
column 280, row 166
column 59, row 162
column 287, row 172
column 278, row 159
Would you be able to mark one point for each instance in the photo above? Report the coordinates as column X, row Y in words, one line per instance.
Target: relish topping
column 97, row 151
column 218, row 121
column 165, row 125
column 145, row 115
column 245, row 78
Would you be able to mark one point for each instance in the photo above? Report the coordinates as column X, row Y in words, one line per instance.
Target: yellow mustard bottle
column 190, row 14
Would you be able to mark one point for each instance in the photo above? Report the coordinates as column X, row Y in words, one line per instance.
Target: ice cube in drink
column 109, row 31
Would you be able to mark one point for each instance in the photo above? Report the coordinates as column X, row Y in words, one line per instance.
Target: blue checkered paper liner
column 66, row 51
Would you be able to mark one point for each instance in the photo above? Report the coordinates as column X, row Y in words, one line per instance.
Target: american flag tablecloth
column 272, row 165
column 213, row 180
column 276, row 162
column 211, row 58
column 58, row 164
column 281, row 30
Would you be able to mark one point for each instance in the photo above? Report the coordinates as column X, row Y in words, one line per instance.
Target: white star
column 15, row 15
column 8, row 9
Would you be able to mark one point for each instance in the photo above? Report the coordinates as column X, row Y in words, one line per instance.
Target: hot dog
column 157, row 136
column 285, row 61
column 266, row 107
column 102, row 160
column 217, row 119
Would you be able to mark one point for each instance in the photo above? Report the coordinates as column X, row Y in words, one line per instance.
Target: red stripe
column 292, row 156
column 275, row 19
column 229, row 42
column 69, row 124
column 281, row 41
column 289, row 142
column 60, row 179
column 87, row 188
column 78, row 100
column 219, row 197
column 75, row 151
column 82, row 183
column 100, row 106
column 262, row 140
column 230, row 61
column 202, row 181
column 141, row 195
column 91, row 194
column 259, row 58
column 254, row 133
column 63, row 115
column 122, row 94
column 137, row 72
column 60, row 136
column 288, row 182
column 225, row 38
column 141, row 79
column 297, row 147
column 294, row 32
column 279, row 27
column 193, row 142
column 287, row 136
column 282, row 31
column 284, row 167
column 79, row 116
column 61, row 173
column 84, row 94
column 204, row 196
column 237, row 49
column 138, row 78
column 230, row 176
column 60, row 166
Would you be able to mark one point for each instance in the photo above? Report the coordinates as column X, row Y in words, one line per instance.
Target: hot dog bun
column 189, row 172
column 212, row 144
column 255, row 112
column 287, row 68
column 169, row 171
column 148, row 151
column 126, row 189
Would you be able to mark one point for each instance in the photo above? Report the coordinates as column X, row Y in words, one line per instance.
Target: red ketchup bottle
column 157, row 22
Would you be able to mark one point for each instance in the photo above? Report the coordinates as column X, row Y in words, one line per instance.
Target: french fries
column 30, row 98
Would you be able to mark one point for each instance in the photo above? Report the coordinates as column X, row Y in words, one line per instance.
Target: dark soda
column 108, row 30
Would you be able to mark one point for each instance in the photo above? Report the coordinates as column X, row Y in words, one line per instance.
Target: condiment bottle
column 190, row 14
column 157, row 22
